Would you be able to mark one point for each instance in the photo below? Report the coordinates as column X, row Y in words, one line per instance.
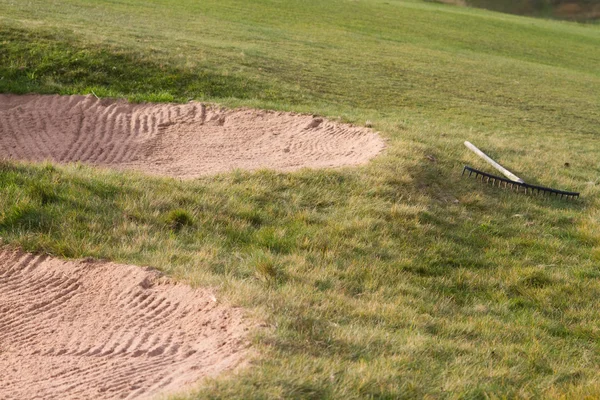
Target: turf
column 398, row 279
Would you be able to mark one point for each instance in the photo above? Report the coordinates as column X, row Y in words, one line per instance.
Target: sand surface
column 183, row 141
column 98, row 330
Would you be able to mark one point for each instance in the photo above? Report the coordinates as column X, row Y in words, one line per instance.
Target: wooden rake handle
column 493, row 163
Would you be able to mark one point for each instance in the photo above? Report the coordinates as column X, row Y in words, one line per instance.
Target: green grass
column 398, row 279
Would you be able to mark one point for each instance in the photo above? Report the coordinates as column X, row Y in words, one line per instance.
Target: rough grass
column 394, row 280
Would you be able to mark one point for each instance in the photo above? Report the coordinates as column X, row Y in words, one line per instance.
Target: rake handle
column 493, row 163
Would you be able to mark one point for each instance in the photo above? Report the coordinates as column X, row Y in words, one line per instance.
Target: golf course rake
column 518, row 186
column 511, row 181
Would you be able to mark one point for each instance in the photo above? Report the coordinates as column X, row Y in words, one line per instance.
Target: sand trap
column 96, row 330
column 183, row 141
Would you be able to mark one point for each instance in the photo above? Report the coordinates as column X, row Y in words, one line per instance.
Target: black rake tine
column 516, row 186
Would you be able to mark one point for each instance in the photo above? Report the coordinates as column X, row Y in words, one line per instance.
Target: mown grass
column 398, row 279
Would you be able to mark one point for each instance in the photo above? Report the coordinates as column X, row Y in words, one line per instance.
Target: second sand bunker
column 183, row 141
column 98, row 330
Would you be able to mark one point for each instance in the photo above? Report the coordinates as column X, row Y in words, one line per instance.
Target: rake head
column 517, row 186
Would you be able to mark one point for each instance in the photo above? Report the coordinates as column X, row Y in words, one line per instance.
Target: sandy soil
column 183, row 141
column 97, row 330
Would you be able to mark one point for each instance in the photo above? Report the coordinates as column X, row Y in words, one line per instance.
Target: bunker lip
column 178, row 140
column 83, row 329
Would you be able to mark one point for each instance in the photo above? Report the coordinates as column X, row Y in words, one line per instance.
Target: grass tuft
column 265, row 267
column 177, row 219
column 43, row 192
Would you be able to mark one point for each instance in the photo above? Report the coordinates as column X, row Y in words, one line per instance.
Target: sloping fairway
column 398, row 279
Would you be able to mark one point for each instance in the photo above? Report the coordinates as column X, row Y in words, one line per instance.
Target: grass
column 398, row 279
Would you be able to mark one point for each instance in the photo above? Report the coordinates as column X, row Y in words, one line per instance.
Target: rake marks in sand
column 184, row 141
column 77, row 329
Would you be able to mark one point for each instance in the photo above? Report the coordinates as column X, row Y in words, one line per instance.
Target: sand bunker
column 182, row 141
column 96, row 330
